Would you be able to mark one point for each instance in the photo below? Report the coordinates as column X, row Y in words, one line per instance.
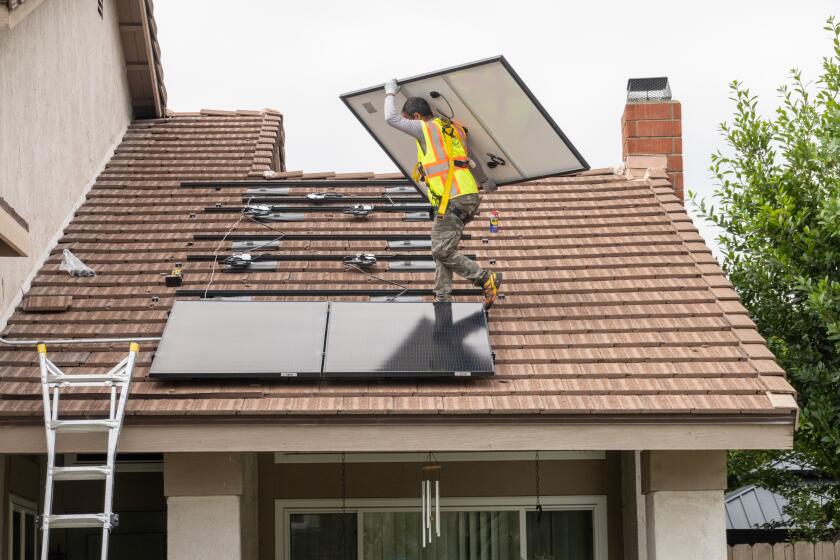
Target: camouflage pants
column 446, row 235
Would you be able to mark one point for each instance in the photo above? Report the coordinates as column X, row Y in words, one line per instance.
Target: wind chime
column 430, row 498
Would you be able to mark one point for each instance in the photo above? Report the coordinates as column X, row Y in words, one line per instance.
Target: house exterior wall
column 283, row 481
column 64, row 105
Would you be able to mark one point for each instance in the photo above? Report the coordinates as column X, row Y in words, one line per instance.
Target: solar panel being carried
column 509, row 131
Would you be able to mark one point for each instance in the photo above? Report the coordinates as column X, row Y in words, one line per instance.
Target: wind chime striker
column 430, row 497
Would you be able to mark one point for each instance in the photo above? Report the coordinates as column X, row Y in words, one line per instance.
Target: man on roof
column 451, row 180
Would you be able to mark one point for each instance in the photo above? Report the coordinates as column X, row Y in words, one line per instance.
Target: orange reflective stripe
column 437, row 146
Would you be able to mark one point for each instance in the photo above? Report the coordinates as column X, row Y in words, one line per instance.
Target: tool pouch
column 463, row 215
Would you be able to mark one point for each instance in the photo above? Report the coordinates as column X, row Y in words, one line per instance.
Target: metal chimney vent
column 640, row 90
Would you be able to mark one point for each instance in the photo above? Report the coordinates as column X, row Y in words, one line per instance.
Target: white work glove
column 391, row 88
column 489, row 185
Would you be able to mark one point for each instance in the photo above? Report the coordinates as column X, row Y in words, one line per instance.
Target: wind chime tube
column 437, row 507
column 429, row 508
column 423, row 507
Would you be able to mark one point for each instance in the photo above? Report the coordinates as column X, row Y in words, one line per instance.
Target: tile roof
column 613, row 303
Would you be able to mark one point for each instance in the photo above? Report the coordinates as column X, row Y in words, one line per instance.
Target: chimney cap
column 640, row 90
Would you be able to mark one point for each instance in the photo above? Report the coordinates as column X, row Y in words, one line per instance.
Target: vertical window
column 560, row 534
column 464, row 535
column 23, row 544
column 322, row 536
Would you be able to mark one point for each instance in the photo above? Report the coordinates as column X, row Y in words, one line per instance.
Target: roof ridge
column 224, row 113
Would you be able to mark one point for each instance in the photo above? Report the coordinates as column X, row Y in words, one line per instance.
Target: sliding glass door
column 464, row 535
column 391, row 530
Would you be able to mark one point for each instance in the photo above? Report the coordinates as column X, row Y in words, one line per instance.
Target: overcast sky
column 298, row 57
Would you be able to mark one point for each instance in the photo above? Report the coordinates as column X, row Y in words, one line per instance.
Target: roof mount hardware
column 363, row 260
column 239, row 261
column 402, row 189
column 257, row 210
column 411, row 265
column 319, row 196
column 244, row 246
column 410, row 244
column 283, row 217
column 359, row 210
column 276, row 191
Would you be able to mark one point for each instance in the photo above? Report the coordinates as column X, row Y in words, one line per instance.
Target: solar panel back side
column 510, row 132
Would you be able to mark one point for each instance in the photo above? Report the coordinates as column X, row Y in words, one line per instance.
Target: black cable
column 435, row 95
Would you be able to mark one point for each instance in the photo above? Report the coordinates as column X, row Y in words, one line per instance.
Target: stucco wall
column 64, row 105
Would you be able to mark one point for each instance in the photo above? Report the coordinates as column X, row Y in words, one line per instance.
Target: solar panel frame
column 318, row 339
column 241, row 340
column 362, row 343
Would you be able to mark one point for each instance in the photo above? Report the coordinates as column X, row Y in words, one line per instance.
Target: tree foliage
column 777, row 206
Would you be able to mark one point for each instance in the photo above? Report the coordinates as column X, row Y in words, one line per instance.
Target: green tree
column 777, row 206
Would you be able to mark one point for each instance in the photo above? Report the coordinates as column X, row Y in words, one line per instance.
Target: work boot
column 492, row 283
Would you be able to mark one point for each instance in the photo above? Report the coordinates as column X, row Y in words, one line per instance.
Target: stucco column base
column 211, row 501
column 685, row 524
column 202, row 527
column 684, row 504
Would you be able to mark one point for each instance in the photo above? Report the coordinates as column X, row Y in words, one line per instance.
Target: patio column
column 684, row 504
column 211, row 505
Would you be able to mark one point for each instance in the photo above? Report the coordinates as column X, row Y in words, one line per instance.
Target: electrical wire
column 369, row 275
column 216, row 253
column 242, row 215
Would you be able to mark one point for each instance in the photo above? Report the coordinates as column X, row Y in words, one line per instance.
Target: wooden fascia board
column 370, row 437
column 147, row 41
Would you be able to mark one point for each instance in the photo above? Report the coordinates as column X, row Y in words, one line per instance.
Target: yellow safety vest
column 444, row 166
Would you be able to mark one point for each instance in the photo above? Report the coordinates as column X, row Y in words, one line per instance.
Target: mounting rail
column 316, row 237
column 322, row 293
column 320, row 208
column 297, row 183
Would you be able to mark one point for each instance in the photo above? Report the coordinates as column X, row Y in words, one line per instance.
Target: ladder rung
column 78, row 521
column 74, row 379
column 88, row 472
column 82, row 425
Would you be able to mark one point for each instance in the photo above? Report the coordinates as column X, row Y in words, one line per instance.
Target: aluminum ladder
column 118, row 381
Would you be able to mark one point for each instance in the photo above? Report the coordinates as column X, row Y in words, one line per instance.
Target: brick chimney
column 651, row 130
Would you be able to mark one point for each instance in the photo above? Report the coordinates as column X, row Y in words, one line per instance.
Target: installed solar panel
column 407, row 340
column 510, row 132
column 230, row 339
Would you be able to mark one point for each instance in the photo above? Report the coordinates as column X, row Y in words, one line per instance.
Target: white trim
column 596, row 504
column 16, row 503
column 59, row 232
column 454, row 457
